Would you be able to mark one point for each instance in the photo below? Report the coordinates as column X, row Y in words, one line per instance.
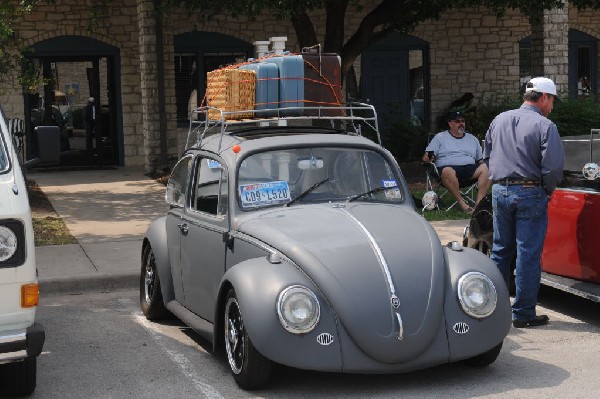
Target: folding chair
column 436, row 192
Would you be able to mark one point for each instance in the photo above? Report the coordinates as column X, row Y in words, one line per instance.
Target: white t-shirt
column 450, row 150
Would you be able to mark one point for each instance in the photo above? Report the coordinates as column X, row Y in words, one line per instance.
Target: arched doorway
column 75, row 68
column 197, row 53
column 395, row 78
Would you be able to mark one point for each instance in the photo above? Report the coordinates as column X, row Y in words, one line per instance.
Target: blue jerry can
column 267, row 86
column 291, row 81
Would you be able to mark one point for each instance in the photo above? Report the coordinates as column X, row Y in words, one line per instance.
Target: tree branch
column 304, row 29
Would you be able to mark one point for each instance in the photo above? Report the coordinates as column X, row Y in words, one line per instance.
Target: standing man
column 525, row 157
column 89, row 120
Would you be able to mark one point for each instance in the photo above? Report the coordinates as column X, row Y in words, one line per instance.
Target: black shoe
column 539, row 320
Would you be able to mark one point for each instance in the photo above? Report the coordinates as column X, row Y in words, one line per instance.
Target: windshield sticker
column 391, row 194
column 262, row 194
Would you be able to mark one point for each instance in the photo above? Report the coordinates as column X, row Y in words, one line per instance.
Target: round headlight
column 298, row 309
column 477, row 294
column 8, row 243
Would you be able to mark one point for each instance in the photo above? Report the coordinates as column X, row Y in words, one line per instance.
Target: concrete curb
column 93, row 283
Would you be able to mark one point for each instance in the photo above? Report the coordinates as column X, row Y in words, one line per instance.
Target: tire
column 486, row 358
column 250, row 369
column 151, row 300
column 18, row 378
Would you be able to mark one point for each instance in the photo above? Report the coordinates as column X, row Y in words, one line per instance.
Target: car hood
column 362, row 256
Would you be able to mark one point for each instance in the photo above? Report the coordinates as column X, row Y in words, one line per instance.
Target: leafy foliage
column 573, row 117
column 404, row 140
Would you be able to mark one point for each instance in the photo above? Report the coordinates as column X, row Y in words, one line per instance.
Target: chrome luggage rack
column 352, row 116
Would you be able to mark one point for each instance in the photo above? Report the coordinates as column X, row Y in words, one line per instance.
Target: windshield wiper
column 307, row 191
column 373, row 191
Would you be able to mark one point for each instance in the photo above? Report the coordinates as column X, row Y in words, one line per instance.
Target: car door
column 202, row 245
column 177, row 196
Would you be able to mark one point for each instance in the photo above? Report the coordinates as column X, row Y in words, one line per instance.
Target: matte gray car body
column 387, row 287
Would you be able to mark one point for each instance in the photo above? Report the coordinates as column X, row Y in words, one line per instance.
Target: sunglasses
column 458, row 121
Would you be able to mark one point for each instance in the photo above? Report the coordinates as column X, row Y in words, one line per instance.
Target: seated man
column 458, row 156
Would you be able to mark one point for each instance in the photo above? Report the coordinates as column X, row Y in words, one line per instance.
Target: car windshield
column 301, row 175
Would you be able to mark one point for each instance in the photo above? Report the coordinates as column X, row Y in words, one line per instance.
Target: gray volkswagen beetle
column 298, row 243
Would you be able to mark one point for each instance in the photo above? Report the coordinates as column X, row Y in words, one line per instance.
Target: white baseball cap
column 91, row 99
column 541, row 85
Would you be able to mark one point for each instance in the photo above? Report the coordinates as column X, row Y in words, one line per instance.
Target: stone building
column 145, row 75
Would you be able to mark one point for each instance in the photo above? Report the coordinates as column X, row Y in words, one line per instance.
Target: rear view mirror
column 310, row 163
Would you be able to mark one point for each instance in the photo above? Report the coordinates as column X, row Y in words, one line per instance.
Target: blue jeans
column 520, row 222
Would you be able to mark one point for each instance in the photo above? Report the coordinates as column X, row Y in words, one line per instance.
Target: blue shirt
column 522, row 143
column 454, row 151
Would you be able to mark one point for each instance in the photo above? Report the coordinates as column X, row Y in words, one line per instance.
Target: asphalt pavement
column 108, row 211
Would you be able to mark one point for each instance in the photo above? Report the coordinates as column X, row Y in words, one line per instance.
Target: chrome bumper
column 19, row 344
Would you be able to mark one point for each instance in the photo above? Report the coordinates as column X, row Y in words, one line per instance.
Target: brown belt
column 514, row 182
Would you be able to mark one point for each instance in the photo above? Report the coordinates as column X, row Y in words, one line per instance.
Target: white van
column 21, row 338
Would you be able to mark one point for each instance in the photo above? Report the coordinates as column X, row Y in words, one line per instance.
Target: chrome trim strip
column 13, row 355
column 13, row 336
column 379, row 254
column 400, row 327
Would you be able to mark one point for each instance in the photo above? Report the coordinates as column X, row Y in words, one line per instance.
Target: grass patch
column 51, row 230
column 442, row 214
column 48, row 227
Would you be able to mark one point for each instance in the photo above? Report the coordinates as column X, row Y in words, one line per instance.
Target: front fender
column 257, row 284
column 156, row 237
column 479, row 335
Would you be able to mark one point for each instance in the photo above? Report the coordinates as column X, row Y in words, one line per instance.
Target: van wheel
column 151, row 300
column 18, row 378
column 250, row 369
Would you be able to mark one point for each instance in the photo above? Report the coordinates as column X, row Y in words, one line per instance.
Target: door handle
column 183, row 227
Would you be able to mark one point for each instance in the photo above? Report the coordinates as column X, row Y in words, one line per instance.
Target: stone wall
column 117, row 26
column 471, row 50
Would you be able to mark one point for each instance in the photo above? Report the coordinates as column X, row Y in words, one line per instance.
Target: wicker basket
column 231, row 90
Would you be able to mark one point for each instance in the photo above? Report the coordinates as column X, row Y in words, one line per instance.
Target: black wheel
column 486, row 358
column 250, row 369
column 151, row 300
column 19, row 378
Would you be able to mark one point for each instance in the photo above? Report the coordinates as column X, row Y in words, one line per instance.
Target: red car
column 569, row 258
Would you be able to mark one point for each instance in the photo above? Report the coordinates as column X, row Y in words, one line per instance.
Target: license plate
column 262, row 194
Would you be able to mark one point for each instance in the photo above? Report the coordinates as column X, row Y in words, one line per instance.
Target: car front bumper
column 22, row 343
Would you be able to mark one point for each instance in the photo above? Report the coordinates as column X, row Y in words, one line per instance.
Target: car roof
column 275, row 137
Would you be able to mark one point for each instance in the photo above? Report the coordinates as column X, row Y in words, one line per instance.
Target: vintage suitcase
column 231, row 90
column 322, row 82
column 291, row 82
column 267, row 86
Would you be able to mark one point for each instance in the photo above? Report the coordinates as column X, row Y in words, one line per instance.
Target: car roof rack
column 354, row 117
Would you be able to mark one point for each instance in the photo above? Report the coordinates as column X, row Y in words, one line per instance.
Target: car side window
column 211, row 190
column 177, row 184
